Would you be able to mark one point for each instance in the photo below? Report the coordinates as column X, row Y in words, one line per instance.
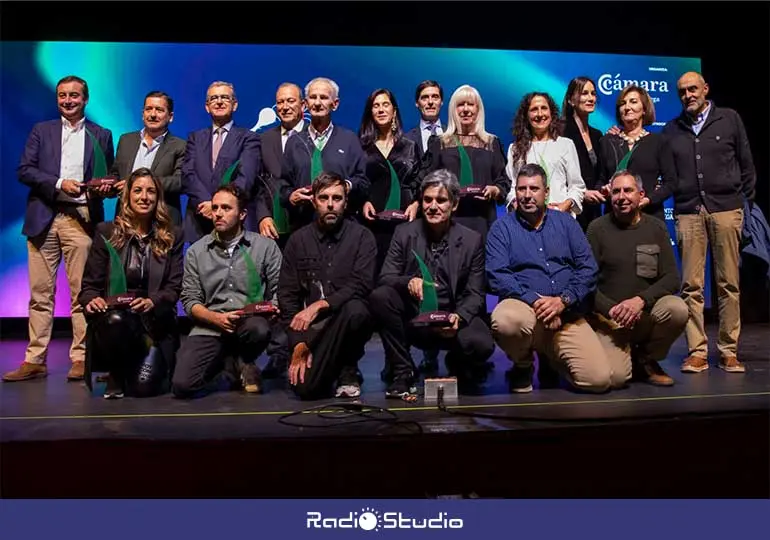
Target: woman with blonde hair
column 537, row 133
column 131, row 285
column 474, row 156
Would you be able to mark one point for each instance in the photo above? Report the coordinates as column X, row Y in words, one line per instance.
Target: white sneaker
column 348, row 390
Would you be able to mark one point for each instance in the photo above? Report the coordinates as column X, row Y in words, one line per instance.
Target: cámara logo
column 369, row 519
column 609, row 84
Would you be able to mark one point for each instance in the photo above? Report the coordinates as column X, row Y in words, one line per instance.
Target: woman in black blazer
column 642, row 152
column 579, row 103
column 391, row 162
column 130, row 288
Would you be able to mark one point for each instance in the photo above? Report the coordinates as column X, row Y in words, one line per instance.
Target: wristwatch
column 566, row 299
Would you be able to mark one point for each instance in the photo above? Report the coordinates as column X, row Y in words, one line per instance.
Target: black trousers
column 383, row 234
column 337, row 346
column 278, row 348
column 209, row 363
column 467, row 351
column 138, row 350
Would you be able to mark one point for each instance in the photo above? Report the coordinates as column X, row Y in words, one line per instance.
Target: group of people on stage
column 306, row 239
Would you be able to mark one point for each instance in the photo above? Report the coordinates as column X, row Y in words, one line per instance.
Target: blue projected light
column 120, row 74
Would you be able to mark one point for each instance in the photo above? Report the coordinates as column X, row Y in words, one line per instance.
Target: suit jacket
column 200, row 180
column 167, row 166
column 589, row 172
column 414, row 136
column 268, row 183
column 342, row 154
column 466, row 265
column 40, row 166
column 165, row 273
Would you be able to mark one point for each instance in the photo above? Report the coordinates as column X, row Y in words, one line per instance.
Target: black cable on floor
column 345, row 414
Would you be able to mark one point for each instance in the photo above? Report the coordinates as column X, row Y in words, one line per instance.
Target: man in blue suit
column 59, row 157
column 210, row 153
column 428, row 98
column 323, row 147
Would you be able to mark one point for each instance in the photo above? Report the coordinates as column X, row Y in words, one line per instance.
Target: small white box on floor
column 446, row 385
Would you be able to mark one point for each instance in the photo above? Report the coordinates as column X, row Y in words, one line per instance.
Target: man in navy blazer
column 428, row 98
column 59, row 156
column 210, row 152
column 340, row 152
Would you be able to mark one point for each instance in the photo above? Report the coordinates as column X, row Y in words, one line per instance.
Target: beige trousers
column 721, row 231
column 65, row 238
column 574, row 349
column 653, row 335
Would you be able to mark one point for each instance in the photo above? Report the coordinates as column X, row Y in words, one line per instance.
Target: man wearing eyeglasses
column 210, row 153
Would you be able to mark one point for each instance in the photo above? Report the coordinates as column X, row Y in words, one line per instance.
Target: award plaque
column 472, row 190
column 433, row 318
column 118, row 296
column 227, row 176
column 467, row 186
column 120, row 301
column 260, row 308
column 392, row 215
column 392, row 210
column 256, row 305
column 430, row 315
column 96, row 183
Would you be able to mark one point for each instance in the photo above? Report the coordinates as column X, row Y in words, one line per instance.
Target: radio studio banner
column 120, row 74
column 402, row 519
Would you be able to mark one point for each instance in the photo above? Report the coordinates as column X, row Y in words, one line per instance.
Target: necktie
column 217, row 145
column 432, row 128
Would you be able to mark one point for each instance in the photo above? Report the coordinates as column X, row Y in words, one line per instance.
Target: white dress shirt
column 285, row 133
column 73, row 151
column 314, row 135
column 562, row 166
column 145, row 155
column 425, row 132
column 228, row 127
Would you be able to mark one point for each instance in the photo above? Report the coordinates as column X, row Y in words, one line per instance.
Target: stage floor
column 53, row 409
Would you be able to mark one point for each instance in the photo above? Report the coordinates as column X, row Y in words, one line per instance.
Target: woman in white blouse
column 537, row 139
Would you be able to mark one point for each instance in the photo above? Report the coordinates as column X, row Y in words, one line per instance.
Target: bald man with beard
column 716, row 176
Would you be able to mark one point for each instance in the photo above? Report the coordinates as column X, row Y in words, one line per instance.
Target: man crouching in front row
column 225, row 271
column 327, row 275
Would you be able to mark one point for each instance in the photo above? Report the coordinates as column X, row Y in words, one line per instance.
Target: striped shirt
column 524, row 263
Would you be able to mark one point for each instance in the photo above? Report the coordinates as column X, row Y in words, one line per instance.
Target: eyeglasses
column 226, row 98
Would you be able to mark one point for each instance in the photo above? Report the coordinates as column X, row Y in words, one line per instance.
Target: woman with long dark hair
column 130, row 288
column 580, row 102
column 475, row 156
column 537, row 133
column 392, row 167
